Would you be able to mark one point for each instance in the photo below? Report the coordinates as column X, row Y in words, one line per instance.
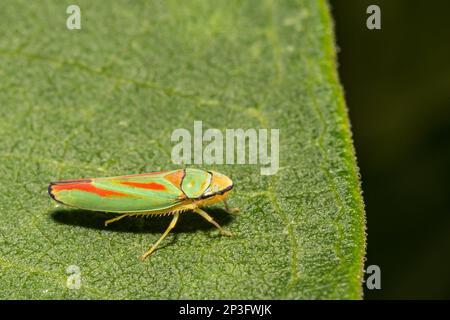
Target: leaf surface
column 104, row 101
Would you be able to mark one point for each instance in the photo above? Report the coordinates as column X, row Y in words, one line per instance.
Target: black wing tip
column 62, row 182
column 50, row 191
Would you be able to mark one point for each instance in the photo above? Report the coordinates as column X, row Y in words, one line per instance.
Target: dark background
column 397, row 86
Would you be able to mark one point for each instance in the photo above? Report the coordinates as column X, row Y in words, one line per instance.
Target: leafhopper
column 156, row 193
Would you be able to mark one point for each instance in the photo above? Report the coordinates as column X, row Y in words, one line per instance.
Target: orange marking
column 175, row 178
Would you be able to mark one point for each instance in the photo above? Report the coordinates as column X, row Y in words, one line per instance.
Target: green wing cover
column 122, row 194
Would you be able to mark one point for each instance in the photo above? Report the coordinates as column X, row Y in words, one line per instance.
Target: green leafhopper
column 156, row 193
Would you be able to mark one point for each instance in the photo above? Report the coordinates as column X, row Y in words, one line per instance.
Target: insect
column 156, row 193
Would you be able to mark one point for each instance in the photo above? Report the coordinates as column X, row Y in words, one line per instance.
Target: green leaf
column 104, row 101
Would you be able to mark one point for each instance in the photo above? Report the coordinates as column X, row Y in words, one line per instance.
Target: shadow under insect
column 188, row 222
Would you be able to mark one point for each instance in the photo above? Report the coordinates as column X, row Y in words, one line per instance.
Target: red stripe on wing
column 87, row 187
column 145, row 185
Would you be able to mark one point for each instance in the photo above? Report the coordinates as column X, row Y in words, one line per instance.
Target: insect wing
column 144, row 192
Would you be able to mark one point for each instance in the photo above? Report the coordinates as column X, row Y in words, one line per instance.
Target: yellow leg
column 211, row 220
column 230, row 210
column 153, row 247
column 115, row 219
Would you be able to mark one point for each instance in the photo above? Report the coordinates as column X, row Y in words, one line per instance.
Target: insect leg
column 115, row 219
column 211, row 220
column 228, row 209
column 153, row 247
